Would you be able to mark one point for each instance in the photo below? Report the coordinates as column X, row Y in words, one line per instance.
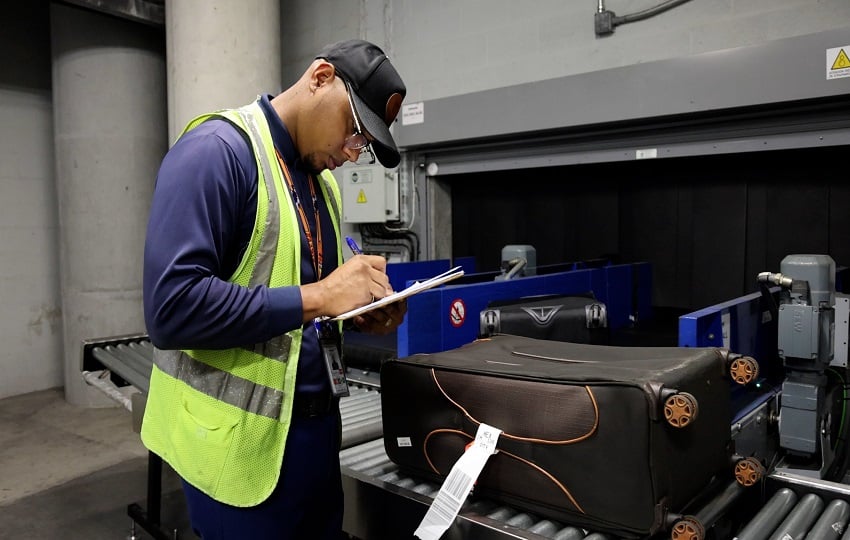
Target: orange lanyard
column 316, row 255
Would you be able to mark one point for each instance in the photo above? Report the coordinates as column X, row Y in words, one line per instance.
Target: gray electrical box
column 369, row 193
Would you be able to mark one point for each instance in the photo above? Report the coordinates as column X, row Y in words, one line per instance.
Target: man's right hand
column 362, row 279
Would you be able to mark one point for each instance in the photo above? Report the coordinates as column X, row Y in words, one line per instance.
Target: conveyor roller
column 382, row 502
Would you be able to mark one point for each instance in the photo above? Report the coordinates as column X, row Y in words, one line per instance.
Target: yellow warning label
column 841, row 60
column 361, row 197
column 837, row 63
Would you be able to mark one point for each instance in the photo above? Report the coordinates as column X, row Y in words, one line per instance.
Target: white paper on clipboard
column 416, row 287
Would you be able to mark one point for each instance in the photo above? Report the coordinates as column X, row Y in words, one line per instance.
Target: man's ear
column 323, row 74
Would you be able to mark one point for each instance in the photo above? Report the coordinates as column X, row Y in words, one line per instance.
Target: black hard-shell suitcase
column 577, row 319
column 610, row 438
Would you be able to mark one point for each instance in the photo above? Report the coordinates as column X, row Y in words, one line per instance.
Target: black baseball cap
column 376, row 90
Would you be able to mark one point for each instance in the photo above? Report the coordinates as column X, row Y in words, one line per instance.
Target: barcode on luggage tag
column 458, row 484
column 445, row 506
column 448, row 501
column 403, row 442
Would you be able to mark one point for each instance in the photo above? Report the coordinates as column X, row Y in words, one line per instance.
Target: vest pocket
column 202, row 435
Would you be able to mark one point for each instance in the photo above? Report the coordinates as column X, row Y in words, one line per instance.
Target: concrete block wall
column 30, row 302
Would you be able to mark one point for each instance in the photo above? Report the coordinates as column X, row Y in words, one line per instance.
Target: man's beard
column 310, row 165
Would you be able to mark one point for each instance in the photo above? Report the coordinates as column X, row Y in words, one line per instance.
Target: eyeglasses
column 357, row 140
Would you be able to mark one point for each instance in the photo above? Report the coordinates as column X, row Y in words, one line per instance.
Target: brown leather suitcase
column 614, row 439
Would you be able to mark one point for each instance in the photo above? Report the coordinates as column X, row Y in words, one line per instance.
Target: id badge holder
column 330, row 341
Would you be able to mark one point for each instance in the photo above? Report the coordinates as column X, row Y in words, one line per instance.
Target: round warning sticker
column 457, row 313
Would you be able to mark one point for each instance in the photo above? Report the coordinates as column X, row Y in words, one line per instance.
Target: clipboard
column 416, row 287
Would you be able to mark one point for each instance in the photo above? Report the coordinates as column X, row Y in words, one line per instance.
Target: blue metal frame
column 751, row 331
column 428, row 326
column 401, row 273
column 751, row 328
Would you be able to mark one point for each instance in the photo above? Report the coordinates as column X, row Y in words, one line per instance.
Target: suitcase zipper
column 552, row 358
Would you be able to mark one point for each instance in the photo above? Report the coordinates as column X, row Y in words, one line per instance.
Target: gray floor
column 70, row 472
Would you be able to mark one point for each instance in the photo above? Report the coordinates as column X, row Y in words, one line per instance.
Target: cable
column 647, row 13
column 379, row 235
column 412, row 215
column 843, row 407
column 388, row 235
column 604, row 20
column 839, row 468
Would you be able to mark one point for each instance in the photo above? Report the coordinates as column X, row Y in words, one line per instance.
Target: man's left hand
column 384, row 320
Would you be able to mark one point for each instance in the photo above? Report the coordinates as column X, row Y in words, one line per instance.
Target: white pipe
column 100, row 380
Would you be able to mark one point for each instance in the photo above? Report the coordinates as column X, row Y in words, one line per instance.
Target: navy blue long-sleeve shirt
column 201, row 219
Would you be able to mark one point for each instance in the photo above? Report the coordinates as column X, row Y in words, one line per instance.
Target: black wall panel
column 708, row 224
column 719, row 211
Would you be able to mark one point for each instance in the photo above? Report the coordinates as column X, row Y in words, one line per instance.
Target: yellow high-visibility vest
column 220, row 418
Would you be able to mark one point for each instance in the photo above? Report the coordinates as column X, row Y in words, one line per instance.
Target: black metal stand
column 150, row 519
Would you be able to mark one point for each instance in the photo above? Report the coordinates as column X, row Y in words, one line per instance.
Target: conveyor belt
column 381, row 502
column 130, row 360
column 800, row 507
column 398, row 502
column 391, row 504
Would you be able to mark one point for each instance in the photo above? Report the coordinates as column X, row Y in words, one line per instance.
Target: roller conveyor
column 384, row 503
column 380, row 501
column 391, row 504
column 129, row 360
column 800, row 507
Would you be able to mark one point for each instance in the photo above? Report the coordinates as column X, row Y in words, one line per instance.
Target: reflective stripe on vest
column 219, row 384
column 265, row 258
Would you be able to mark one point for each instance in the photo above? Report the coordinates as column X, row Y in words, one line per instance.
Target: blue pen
column 353, row 245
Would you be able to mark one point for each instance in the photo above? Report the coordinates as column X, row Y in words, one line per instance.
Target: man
column 242, row 268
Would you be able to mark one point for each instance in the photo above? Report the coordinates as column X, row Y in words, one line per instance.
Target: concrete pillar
column 110, row 135
column 220, row 55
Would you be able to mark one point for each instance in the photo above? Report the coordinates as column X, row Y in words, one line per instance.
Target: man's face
column 327, row 140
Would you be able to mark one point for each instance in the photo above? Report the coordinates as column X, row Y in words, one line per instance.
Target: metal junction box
column 369, row 194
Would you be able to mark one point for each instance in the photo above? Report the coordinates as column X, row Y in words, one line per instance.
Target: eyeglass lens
column 357, row 140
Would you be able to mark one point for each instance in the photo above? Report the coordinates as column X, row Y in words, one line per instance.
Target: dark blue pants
column 307, row 503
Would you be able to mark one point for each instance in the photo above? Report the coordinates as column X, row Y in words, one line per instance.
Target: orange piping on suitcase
column 590, row 432
column 551, row 478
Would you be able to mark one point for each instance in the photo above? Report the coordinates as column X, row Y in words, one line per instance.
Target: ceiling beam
column 150, row 12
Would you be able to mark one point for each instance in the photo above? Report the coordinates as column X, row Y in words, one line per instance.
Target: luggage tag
column 330, row 341
column 458, row 484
